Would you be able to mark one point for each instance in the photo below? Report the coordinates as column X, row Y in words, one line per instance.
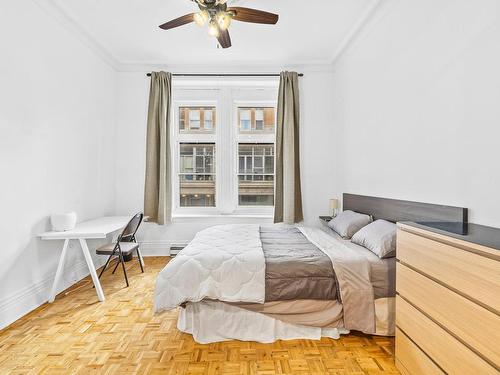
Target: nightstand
column 325, row 219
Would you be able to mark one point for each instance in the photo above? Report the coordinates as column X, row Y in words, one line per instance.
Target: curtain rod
column 223, row 75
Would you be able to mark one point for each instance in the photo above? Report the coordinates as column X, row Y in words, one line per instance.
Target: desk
column 91, row 229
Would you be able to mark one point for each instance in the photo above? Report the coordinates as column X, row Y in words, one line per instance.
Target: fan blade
column 178, row 22
column 224, row 39
column 253, row 15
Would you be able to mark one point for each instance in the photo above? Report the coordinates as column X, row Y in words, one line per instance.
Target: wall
column 317, row 176
column 56, row 149
column 416, row 105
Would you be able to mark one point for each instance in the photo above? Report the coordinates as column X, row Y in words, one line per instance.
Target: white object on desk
column 62, row 222
column 91, row 229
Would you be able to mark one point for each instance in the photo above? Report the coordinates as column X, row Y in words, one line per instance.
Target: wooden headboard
column 397, row 210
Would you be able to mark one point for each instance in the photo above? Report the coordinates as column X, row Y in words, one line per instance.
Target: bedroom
column 397, row 100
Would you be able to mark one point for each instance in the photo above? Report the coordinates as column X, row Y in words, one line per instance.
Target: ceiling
column 308, row 32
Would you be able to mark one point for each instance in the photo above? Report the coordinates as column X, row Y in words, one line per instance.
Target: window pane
column 253, row 120
column 259, row 119
column 197, row 120
column 256, row 174
column 245, row 119
column 197, row 174
column 208, row 121
column 194, row 118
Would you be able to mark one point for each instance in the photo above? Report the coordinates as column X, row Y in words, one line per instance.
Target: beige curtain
column 288, row 197
column 157, row 191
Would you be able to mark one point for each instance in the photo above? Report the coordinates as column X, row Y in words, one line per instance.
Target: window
column 257, row 120
column 196, row 119
column 256, row 174
column 209, row 121
column 245, row 120
column 197, row 175
column 223, row 143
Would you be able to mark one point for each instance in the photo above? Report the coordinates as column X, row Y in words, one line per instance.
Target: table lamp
column 334, row 205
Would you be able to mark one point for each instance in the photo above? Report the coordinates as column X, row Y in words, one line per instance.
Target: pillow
column 349, row 222
column 379, row 237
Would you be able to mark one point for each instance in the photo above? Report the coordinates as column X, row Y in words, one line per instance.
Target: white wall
column 316, row 143
column 56, row 148
column 416, row 105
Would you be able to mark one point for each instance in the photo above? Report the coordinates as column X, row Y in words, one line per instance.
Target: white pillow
column 379, row 237
column 349, row 222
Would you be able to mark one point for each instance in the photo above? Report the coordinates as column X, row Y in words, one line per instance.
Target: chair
column 125, row 245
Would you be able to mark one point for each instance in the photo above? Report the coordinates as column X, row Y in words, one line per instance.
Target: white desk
column 91, row 229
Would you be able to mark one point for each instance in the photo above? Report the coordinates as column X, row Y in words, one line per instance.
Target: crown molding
column 304, row 67
column 60, row 14
column 354, row 31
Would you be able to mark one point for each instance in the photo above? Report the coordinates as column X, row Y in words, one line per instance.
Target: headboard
column 398, row 210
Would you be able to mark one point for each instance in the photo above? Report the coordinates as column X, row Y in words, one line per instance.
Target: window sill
column 183, row 218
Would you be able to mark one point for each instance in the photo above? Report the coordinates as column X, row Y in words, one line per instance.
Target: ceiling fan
column 218, row 16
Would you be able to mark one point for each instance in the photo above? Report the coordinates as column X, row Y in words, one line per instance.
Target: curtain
column 157, row 190
column 288, row 196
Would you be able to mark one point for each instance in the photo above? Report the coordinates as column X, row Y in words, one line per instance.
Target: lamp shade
column 334, row 204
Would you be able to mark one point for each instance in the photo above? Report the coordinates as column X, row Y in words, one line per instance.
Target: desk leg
column 59, row 271
column 93, row 273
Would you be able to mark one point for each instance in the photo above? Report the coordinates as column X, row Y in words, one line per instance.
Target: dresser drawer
column 468, row 321
column 474, row 275
column 411, row 360
column 451, row 355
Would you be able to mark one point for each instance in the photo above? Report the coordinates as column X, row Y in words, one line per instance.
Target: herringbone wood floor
column 77, row 334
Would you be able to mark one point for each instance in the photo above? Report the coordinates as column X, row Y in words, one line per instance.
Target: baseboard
column 26, row 300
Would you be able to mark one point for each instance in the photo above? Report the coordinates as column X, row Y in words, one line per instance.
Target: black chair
column 125, row 245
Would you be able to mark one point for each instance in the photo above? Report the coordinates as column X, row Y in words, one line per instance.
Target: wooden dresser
column 448, row 300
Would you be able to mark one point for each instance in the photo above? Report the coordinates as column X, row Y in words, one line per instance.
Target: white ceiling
column 308, row 32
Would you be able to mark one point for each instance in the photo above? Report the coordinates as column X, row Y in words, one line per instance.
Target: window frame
column 202, row 138
column 263, row 138
column 225, row 98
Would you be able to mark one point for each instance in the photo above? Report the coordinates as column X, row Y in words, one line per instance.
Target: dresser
column 448, row 299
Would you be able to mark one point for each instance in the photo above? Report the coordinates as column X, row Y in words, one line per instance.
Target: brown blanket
column 295, row 268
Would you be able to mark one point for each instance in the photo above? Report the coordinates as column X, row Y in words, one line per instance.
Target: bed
column 270, row 282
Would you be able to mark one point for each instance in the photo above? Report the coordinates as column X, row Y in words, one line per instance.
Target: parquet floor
column 79, row 335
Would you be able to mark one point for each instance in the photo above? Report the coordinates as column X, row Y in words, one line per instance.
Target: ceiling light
column 224, row 20
column 213, row 29
column 201, row 18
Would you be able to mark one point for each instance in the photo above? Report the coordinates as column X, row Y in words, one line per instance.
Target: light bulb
column 201, row 18
column 224, row 20
column 213, row 29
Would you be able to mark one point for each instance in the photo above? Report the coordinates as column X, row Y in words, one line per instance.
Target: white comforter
column 224, row 263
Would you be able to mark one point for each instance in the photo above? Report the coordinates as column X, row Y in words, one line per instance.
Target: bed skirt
column 215, row 321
